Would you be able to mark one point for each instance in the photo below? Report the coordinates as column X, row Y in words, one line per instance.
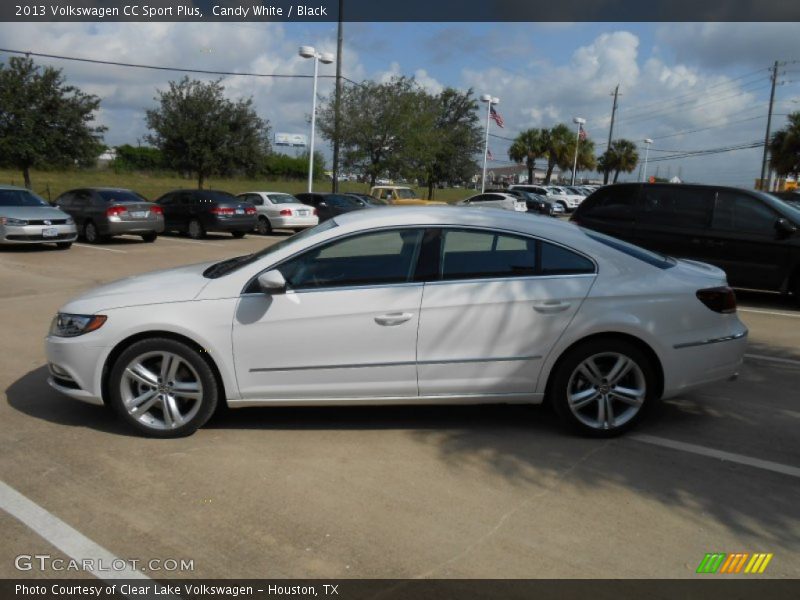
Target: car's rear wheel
column 196, row 230
column 63, row 245
column 149, row 237
column 163, row 388
column 91, row 234
column 238, row 234
column 264, row 227
column 602, row 387
column 564, row 206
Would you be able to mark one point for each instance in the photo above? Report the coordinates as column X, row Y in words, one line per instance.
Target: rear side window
column 739, row 212
column 611, row 204
column 677, row 206
column 557, row 260
column 479, row 254
column 651, row 258
column 120, row 196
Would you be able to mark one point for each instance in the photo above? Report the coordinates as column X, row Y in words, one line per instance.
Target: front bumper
column 35, row 234
column 75, row 367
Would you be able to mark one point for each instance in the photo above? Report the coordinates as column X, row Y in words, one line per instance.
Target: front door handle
column 551, row 306
column 390, row 319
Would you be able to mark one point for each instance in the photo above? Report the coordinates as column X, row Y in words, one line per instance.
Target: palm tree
column 560, row 147
column 527, row 147
column 784, row 148
column 621, row 157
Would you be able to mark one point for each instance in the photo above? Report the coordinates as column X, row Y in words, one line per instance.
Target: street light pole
column 579, row 122
column 490, row 100
column 647, row 142
column 326, row 58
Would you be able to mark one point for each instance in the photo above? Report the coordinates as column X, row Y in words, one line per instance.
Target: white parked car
column 561, row 195
column 495, row 200
column 277, row 210
column 410, row 305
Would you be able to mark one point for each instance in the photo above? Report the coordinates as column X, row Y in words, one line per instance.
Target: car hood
column 159, row 287
column 32, row 212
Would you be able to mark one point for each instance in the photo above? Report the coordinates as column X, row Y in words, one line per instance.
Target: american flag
column 582, row 133
column 489, row 154
column 495, row 116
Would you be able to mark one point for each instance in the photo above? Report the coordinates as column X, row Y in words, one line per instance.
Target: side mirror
column 323, row 204
column 272, row 282
column 785, row 227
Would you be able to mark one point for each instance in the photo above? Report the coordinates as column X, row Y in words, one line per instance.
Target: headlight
column 10, row 221
column 70, row 221
column 65, row 325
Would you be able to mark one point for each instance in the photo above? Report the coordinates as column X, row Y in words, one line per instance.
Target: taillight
column 719, row 299
column 221, row 210
column 286, row 212
column 314, row 212
column 250, row 210
column 156, row 210
column 115, row 211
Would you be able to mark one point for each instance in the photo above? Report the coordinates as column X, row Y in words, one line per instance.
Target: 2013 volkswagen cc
column 413, row 305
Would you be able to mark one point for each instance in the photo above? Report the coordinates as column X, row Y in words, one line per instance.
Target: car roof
column 13, row 187
column 267, row 192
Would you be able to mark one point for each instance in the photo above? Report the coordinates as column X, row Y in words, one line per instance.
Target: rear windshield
column 20, row 198
column 121, row 196
column 661, row 261
column 341, row 201
column 219, row 197
column 283, row 199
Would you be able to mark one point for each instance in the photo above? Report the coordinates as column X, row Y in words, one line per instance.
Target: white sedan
column 496, row 200
column 277, row 210
column 414, row 305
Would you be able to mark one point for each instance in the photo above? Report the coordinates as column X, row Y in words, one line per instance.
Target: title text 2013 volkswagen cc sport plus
column 414, row 305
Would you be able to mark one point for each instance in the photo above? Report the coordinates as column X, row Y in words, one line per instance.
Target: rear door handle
column 551, row 306
column 390, row 319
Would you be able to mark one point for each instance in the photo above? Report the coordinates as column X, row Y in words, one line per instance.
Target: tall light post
column 647, row 142
column 326, row 58
column 490, row 101
column 580, row 122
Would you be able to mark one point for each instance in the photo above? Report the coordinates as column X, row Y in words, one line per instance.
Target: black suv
column 330, row 205
column 199, row 211
column 751, row 235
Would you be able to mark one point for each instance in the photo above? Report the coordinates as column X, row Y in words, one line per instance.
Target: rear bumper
column 34, row 234
column 231, row 224
column 294, row 222
column 136, row 227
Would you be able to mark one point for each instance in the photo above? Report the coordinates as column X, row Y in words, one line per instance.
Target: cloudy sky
column 688, row 86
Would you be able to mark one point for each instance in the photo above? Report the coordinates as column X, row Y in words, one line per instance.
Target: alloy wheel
column 606, row 390
column 161, row 390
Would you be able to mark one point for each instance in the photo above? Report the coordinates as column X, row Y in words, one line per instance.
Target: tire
column 149, row 237
column 166, row 411
column 263, row 226
column 238, row 234
column 573, row 377
column 196, row 230
column 63, row 245
column 91, row 234
column 564, row 206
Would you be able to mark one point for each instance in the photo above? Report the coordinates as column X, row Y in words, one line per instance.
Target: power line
column 164, row 68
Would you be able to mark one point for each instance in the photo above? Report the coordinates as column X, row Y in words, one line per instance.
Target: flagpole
column 489, row 101
column 579, row 121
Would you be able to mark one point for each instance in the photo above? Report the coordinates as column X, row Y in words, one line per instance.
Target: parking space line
column 766, row 465
column 100, row 248
column 785, row 361
column 770, row 312
column 170, row 239
column 70, row 541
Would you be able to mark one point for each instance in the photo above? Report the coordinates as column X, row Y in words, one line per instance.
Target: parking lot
column 395, row 492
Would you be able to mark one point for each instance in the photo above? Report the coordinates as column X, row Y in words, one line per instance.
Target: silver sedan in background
column 25, row 218
column 277, row 210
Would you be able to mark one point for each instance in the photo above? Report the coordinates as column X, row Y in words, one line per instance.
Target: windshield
column 20, row 198
column 121, row 196
column 405, row 193
column 283, row 199
column 342, row 201
column 556, row 191
column 233, row 264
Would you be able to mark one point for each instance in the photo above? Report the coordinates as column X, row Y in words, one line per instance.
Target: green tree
column 559, row 144
column 43, row 121
column 200, row 131
column 527, row 147
column 623, row 156
column 382, row 130
column 456, row 138
column 138, row 158
column 784, row 148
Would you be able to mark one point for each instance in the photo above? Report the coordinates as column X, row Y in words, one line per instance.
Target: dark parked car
column 751, row 235
column 368, row 201
column 197, row 212
column 329, row 205
column 101, row 213
column 536, row 203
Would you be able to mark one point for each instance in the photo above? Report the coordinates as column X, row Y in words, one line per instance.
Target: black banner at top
column 401, row 11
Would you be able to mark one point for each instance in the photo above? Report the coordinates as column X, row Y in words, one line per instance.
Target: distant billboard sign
column 291, row 139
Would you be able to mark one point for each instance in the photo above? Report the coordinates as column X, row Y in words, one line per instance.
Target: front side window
column 376, row 258
column 485, row 254
column 738, row 212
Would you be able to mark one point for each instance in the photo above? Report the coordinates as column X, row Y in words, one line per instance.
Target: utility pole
column 611, row 130
column 764, row 172
column 337, row 102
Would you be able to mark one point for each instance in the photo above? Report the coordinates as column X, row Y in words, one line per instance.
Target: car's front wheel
column 163, row 388
column 602, row 387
